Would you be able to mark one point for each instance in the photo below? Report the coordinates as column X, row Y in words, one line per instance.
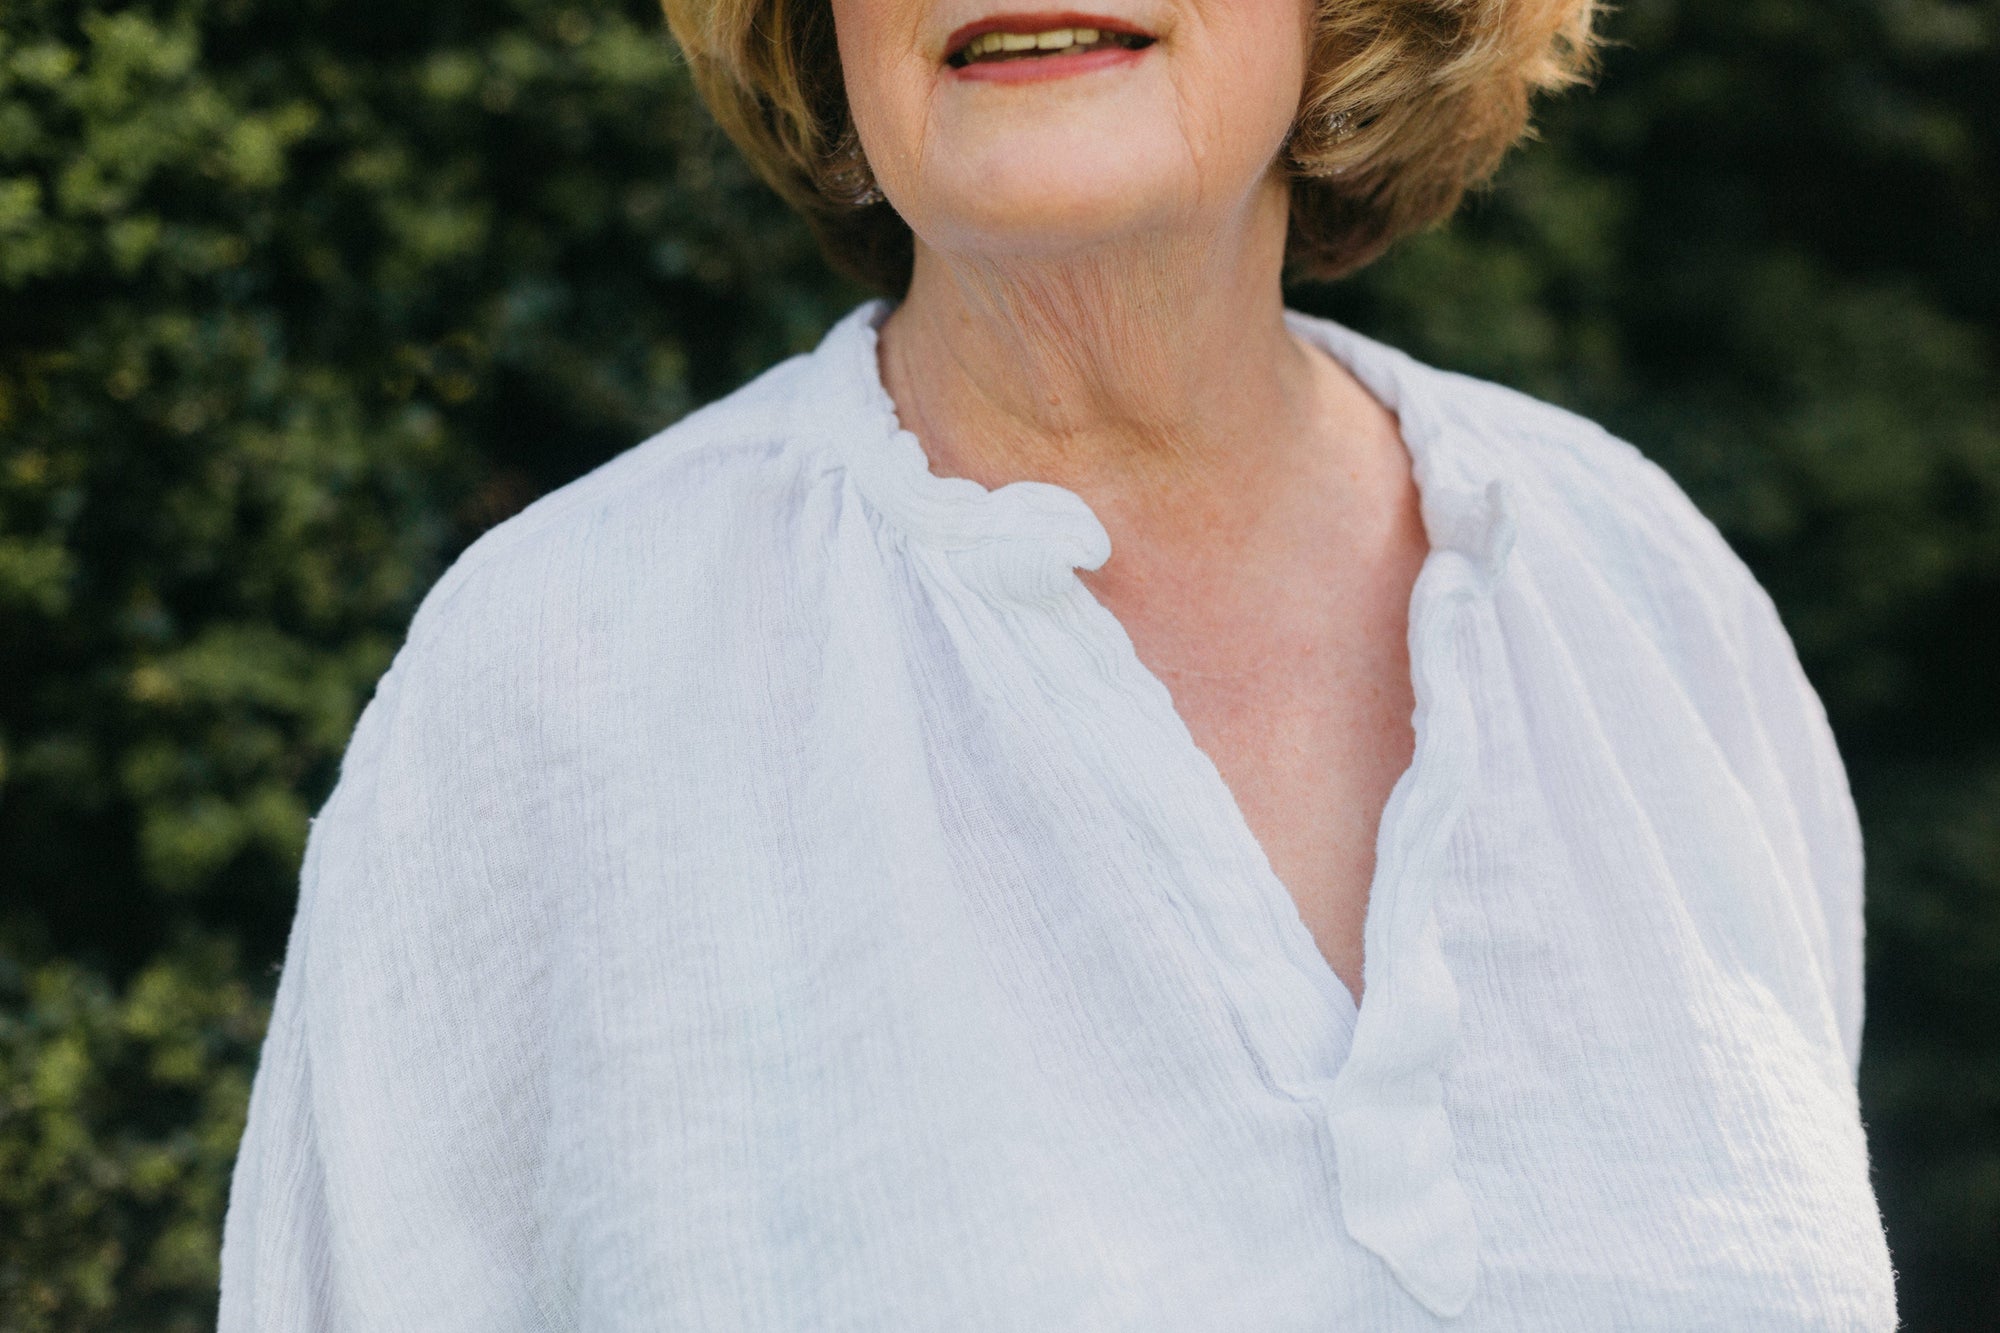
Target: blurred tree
column 297, row 299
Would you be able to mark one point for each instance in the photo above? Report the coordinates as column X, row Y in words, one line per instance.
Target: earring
column 848, row 177
column 1339, row 126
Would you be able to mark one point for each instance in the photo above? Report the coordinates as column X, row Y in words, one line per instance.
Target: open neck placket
column 1373, row 1075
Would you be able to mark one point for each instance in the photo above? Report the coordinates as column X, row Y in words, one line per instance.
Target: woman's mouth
column 996, row 46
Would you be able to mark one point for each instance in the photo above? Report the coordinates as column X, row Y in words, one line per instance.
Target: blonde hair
column 1407, row 104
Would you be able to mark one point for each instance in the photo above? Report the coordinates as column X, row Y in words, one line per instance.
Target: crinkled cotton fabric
column 767, row 892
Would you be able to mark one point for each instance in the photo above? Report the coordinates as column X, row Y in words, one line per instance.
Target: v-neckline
column 1270, row 894
column 1027, row 538
column 1205, row 766
column 1197, row 768
column 1276, row 899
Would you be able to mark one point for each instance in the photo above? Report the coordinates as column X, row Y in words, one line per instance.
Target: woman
column 1091, row 800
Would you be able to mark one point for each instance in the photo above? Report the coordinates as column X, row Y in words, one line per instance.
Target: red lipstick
column 1057, row 63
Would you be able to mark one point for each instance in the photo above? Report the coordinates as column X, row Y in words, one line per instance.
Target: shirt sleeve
column 276, row 1261
column 1772, row 721
column 278, row 1270
column 1795, row 722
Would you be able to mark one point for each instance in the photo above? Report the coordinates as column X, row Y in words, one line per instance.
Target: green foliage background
column 297, row 298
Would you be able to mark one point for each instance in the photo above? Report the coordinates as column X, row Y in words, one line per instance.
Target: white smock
column 767, row 892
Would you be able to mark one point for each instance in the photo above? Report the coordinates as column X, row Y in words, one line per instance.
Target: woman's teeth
column 1015, row 45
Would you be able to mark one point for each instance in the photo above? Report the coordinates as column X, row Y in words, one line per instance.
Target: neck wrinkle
column 1143, row 373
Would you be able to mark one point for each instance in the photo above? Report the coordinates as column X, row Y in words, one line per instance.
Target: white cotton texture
column 767, row 892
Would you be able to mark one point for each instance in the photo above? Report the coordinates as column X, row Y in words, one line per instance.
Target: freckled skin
column 1097, row 303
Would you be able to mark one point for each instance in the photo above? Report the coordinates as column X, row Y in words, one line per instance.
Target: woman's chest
column 1309, row 764
column 1038, row 1087
column 980, row 1026
column 988, row 999
column 1305, row 715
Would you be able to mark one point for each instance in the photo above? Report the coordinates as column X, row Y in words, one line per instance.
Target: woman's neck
column 1155, row 378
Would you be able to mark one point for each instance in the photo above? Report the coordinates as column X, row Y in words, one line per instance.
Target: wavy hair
column 1407, row 104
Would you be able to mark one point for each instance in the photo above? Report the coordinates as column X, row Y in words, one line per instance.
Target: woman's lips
column 1016, row 48
column 1047, row 67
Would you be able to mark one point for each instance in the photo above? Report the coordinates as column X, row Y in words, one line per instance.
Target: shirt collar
column 1025, row 538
